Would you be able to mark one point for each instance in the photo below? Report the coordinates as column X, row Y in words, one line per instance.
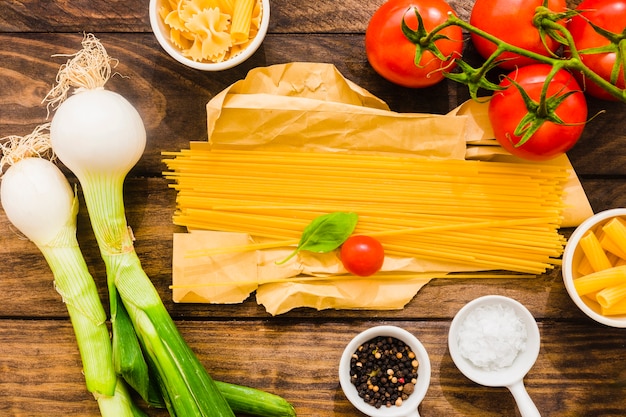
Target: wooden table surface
column 580, row 370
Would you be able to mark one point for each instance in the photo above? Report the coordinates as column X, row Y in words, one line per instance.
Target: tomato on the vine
column 362, row 255
column 392, row 54
column 609, row 15
column 512, row 22
column 565, row 101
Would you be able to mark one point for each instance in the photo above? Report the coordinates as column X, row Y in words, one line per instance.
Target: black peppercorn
column 383, row 370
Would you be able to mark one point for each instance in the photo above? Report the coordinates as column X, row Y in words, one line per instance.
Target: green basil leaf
column 326, row 233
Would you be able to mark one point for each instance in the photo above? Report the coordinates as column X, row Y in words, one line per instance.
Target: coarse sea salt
column 491, row 336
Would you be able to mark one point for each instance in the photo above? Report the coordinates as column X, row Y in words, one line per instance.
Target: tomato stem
column 547, row 24
column 542, row 111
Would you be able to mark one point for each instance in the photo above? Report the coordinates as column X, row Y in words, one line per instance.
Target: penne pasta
column 615, row 231
column 601, row 279
column 242, row 19
column 604, row 288
column 591, row 299
column 226, row 6
column 594, row 252
column 609, row 245
column 618, row 308
column 610, row 296
column 584, row 267
column 613, row 258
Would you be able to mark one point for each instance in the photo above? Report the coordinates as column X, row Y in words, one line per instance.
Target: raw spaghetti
column 475, row 214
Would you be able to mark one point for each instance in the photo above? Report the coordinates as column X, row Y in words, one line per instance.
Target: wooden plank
column 322, row 16
column 74, row 16
column 172, row 99
column 579, row 370
column 123, row 16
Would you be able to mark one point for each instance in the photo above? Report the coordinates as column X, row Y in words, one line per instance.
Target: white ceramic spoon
column 511, row 377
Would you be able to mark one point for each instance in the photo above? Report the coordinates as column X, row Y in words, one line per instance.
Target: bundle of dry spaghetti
column 475, row 215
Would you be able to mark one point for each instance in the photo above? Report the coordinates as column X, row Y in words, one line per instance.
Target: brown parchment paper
column 310, row 106
column 240, row 274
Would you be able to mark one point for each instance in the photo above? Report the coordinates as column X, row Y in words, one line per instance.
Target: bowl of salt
column 494, row 341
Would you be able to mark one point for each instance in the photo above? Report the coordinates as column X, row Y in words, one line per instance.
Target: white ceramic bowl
column 571, row 258
column 410, row 405
column 522, row 363
column 162, row 35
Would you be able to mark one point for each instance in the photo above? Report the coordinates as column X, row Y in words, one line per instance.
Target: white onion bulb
column 37, row 199
column 98, row 131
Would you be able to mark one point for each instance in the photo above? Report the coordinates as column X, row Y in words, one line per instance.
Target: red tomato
column 392, row 54
column 611, row 16
column 511, row 22
column 507, row 108
column 362, row 255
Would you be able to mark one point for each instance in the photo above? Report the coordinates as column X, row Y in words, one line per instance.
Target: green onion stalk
column 100, row 136
column 39, row 201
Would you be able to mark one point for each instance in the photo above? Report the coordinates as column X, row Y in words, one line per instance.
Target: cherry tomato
column 511, row 22
column 610, row 15
column 507, row 108
column 362, row 255
column 392, row 54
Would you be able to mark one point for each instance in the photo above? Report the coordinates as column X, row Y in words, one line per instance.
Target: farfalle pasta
column 211, row 30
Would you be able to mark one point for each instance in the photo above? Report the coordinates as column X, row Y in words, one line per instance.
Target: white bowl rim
column 409, row 406
column 155, row 23
column 567, row 267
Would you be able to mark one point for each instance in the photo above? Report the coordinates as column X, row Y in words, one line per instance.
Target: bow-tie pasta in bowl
column 210, row 35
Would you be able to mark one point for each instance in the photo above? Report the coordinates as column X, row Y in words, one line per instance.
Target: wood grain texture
column 321, row 16
column 172, row 99
column 297, row 359
column 580, row 371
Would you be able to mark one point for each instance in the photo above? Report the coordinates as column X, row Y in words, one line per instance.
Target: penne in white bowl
column 196, row 41
column 578, row 259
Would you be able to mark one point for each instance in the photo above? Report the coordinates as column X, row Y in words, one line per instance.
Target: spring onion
column 100, row 136
column 39, row 201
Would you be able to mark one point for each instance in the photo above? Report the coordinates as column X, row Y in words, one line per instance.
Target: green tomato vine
column 546, row 22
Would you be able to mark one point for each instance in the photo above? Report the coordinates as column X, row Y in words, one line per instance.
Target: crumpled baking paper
column 311, row 107
column 305, row 107
column 239, row 274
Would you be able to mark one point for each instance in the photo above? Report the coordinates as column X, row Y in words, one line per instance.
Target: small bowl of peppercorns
column 385, row 372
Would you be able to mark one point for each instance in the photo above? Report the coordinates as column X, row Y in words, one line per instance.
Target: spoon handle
column 525, row 404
